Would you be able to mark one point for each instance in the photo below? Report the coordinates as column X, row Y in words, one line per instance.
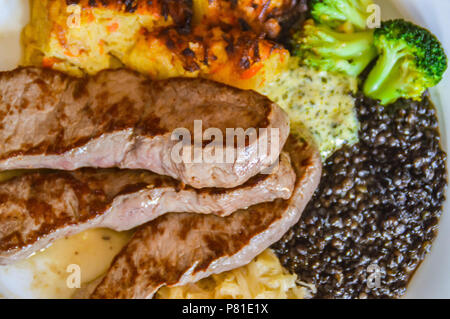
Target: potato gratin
column 86, row 37
column 155, row 39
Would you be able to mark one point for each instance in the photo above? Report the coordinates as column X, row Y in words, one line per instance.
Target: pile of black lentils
column 378, row 203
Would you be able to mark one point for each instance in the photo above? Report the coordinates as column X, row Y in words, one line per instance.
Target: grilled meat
column 177, row 249
column 121, row 119
column 37, row 208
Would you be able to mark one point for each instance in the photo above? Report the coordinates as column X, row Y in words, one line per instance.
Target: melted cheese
column 320, row 101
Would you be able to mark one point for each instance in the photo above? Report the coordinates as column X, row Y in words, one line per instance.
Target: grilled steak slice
column 37, row 208
column 121, row 119
column 177, row 249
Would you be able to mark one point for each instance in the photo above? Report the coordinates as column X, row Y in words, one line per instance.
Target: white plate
column 432, row 280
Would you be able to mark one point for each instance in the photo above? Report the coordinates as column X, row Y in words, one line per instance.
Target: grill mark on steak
column 119, row 118
column 177, row 249
column 39, row 207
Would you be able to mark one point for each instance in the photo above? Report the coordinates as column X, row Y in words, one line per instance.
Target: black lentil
column 378, row 202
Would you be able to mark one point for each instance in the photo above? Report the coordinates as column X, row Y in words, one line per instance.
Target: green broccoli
column 323, row 48
column 411, row 60
column 335, row 13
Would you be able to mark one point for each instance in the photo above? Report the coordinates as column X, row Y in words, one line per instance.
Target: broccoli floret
column 335, row 13
column 411, row 60
column 323, row 48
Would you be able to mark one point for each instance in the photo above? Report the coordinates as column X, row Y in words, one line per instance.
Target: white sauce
column 45, row 275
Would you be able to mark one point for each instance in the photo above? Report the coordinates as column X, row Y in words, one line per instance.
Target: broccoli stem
column 382, row 70
column 391, row 90
column 344, row 45
column 361, row 63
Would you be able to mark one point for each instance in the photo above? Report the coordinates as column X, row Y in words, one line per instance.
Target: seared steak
column 177, row 249
column 37, row 208
column 121, row 119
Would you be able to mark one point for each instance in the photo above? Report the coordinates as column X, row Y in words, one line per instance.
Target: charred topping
column 243, row 49
column 181, row 11
column 188, row 53
column 230, row 47
column 244, row 25
column 245, row 63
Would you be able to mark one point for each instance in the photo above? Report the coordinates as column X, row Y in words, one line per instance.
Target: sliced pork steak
column 121, row 119
column 37, row 208
column 177, row 249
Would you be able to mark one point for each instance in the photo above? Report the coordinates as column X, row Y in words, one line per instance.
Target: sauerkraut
column 263, row 278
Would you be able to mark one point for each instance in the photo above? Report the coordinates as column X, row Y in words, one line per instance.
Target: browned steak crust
column 39, row 207
column 176, row 249
column 121, row 119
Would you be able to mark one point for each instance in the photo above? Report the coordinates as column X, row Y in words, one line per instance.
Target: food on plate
column 121, row 119
column 347, row 15
column 378, row 203
column 259, row 16
column 44, row 274
column 224, row 54
column 318, row 102
column 85, row 36
column 38, row 208
column 337, row 39
column 235, row 57
column 323, row 48
column 177, row 249
column 263, row 277
column 354, row 97
column 411, row 60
